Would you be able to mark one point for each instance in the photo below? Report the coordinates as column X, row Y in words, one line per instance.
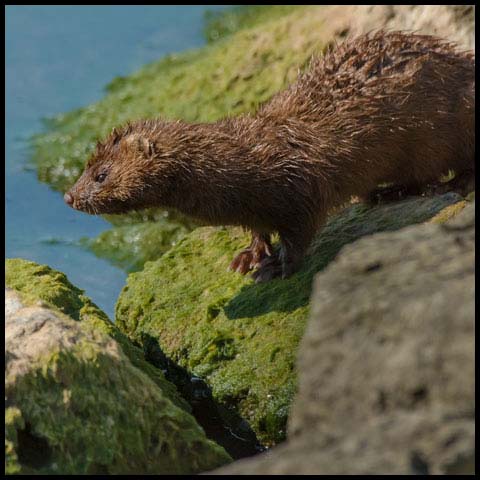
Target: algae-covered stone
column 75, row 404
column 220, row 24
column 40, row 282
column 239, row 336
column 130, row 246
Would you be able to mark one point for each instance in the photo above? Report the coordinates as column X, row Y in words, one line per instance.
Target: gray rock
column 454, row 22
column 386, row 382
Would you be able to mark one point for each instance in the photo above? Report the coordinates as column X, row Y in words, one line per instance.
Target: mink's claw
column 251, row 258
column 243, row 262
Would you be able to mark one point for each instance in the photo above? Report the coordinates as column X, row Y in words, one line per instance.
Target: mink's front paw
column 252, row 257
column 243, row 262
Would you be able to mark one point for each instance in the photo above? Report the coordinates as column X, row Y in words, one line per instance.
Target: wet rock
column 44, row 286
column 454, row 22
column 386, row 365
column 75, row 403
column 123, row 248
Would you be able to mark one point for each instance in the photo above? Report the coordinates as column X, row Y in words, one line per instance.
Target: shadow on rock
column 222, row 425
column 354, row 222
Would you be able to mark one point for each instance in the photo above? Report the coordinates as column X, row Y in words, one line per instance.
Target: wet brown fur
column 388, row 107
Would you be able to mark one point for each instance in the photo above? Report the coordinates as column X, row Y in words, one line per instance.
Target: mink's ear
column 116, row 136
column 144, row 145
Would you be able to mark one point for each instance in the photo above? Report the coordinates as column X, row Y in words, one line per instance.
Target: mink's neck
column 237, row 170
column 212, row 170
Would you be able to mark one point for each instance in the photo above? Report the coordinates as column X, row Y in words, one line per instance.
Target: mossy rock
column 40, row 282
column 239, row 336
column 223, row 23
column 130, row 246
column 75, row 404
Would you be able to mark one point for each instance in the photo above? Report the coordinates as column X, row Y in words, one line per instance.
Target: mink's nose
column 68, row 199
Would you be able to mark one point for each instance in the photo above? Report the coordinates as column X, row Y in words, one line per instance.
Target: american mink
column 382, row 108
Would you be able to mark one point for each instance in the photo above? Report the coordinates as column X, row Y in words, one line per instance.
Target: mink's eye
column 100, row 178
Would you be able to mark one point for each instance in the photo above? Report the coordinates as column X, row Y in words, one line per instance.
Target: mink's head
column 125, row 172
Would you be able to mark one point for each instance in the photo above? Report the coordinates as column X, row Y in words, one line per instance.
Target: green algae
column 130, row 246
column 86, row 409
column 13, row 422
column 221, row 24
column 239, row 336
column 40, row 282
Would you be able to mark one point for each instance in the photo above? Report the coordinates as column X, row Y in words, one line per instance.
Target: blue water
column 58, row 58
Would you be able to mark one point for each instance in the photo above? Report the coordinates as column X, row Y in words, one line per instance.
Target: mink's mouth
column 113, row 207
column 86, row 208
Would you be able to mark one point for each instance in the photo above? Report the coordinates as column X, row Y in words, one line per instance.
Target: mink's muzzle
column 74, row 200
column 68, row 199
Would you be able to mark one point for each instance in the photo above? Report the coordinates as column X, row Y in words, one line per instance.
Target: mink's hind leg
column 463, row 183
column 269, row 268
column 259, row 249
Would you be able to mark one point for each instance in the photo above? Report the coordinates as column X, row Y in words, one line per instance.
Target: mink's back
column 375, row 71
column 388, row 107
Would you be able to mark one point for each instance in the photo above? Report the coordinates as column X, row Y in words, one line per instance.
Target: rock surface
column 241, row 337
column 387, row 361
column 121, row 246
column 40, row 283
column 75, row 403
column 454, row 22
